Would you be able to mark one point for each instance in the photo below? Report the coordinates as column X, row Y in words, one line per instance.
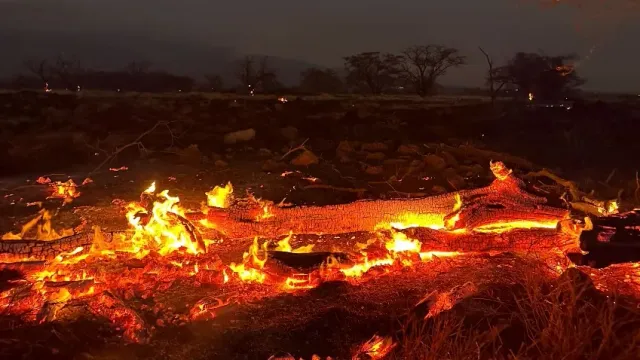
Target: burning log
column 50, row 249
column 519, row 240
column 503, row 201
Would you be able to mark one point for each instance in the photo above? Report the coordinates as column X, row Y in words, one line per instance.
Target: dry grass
column 534, row 319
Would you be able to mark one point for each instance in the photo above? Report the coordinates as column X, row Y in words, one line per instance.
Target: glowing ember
column 64, row 190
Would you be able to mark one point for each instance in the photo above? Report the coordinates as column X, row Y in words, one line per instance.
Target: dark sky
column 321, row 32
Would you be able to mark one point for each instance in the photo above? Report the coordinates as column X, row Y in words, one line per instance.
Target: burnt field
column 342, row 227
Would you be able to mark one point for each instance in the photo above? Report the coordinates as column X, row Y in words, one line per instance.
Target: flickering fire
column 162, row 246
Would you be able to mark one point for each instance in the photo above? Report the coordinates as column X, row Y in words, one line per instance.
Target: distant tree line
column 416, row 70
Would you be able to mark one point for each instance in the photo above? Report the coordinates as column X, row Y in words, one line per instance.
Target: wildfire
column 163, row 244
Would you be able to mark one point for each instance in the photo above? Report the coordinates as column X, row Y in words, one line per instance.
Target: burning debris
column 167, row 245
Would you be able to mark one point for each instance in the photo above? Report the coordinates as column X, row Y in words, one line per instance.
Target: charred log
column 305, row 261
column 503, row 200
column 613, row 239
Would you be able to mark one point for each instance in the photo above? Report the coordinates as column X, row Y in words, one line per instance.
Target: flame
column 220, row 197
column 162, row 232
column 376, row 348
column 499, row 170
column 44, row 229
column 251, row 268
column 64, row 190
column 531, row 97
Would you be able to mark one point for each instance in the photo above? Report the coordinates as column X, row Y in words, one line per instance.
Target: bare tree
column 374, row 71
column 69, row 71
column 138, row 67
column 492, row 78
column 254, row 74
column 421, row 66
column 42, row 70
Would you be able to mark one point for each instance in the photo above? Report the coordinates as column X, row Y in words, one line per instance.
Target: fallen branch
column 137, row 142
column 503, row 200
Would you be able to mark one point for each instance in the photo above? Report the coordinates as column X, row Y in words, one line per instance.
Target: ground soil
column 392, row 149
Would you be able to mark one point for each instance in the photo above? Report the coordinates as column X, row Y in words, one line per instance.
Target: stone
column 264, row 152
column 374, row 170
column 190, row 154
column 273, row 165
column 376, row 156
column 437, row 189
column 450, row 159
column 408, row 149
column 239, row 136
column 395, row 162
column 289, row 132
column 345, row 148
column 434, row 162
column 374, row 147
column 305, row 158
column 456, row 181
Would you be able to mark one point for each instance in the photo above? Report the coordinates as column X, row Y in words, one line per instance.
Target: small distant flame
column 531, row 97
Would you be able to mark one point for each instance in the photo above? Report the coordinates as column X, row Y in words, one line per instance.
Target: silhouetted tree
column 373, row 71
column 420, row 66
column 214, row 82
column 316, row 80
column 138, row 67
column 254, row 73
column 69, row 72
column 492, row 80
column 42, row 70
column 547, row 77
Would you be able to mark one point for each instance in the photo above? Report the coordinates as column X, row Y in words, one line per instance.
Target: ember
column 167, row 243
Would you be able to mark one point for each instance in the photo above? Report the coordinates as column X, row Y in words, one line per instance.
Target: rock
column 477, row 169
column 190, row 154
column 374, row 170
column 417, row 164
column 305, row 158
column 434, row 162
column 408, row 149
column 221, row 164
column 450, row 159
column 345, row 148
column 374, row 147
column 289, row 133
column 273, row 165
column 437, row 189
column 395, row 162
column 376, row 156
column 264, row 152
column 239, row 136
column 456, row 181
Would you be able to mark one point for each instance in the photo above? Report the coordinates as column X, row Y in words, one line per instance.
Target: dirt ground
column 343, row 150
